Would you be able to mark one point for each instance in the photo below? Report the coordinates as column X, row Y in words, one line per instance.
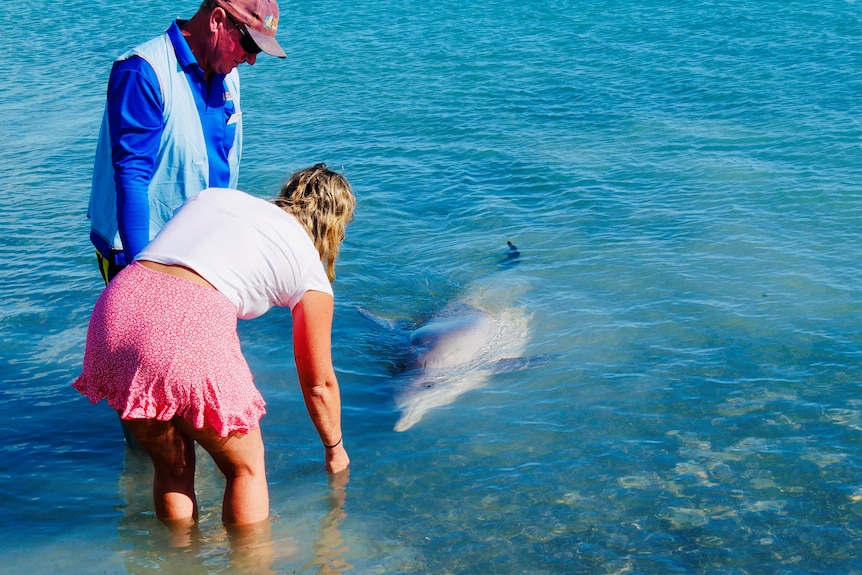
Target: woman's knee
column 238, row 455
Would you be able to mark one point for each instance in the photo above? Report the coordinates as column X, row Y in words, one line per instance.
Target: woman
column 162, row 346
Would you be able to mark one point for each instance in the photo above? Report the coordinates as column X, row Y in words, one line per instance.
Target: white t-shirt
column 249, row 249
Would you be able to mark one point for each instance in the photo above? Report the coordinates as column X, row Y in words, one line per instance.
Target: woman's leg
column 241, row 459
column 173, row 455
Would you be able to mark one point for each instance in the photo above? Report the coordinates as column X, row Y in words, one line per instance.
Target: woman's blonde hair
column 323, row 203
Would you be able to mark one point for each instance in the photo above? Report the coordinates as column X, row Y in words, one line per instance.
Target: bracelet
column 334, row 445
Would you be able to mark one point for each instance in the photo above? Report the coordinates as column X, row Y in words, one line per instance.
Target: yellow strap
column 104, row 265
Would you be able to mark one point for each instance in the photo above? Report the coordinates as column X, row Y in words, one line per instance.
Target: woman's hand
column 336, row 458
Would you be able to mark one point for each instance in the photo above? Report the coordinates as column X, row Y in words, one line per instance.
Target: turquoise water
column 683, row 181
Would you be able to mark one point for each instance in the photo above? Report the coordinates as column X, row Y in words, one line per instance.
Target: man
column 173, row 123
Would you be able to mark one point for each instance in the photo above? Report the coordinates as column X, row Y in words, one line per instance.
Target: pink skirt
column 160, row 346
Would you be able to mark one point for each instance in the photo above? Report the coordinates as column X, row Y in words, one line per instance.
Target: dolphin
column 456, row 349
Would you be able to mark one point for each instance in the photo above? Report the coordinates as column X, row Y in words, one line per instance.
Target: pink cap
column 260, row 18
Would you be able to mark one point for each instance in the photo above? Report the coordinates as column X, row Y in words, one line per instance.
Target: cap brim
column 266, row 43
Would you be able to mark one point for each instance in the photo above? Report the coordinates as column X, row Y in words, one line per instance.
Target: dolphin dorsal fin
column 513, row 256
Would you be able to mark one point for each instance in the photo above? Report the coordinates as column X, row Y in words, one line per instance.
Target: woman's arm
column 312, row 332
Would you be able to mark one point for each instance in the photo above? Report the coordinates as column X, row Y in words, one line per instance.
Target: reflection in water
column 184, row 534
column 191, row 547
column 149, row 545
column 252, row 549
column 329, row 546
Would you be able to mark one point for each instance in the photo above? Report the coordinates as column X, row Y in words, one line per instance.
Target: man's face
column 228, row 51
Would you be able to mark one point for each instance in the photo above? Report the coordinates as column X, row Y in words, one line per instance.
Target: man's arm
column 135, row 120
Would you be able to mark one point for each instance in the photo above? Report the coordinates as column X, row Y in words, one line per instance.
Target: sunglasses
column 245, row 40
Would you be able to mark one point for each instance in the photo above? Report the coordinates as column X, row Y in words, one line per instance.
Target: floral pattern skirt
column 159, row 346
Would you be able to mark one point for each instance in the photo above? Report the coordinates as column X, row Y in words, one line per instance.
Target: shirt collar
column 184, row 54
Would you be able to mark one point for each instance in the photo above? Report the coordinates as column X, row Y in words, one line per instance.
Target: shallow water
column 682, row 180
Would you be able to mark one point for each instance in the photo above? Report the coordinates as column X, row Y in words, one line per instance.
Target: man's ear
column 217, row 18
